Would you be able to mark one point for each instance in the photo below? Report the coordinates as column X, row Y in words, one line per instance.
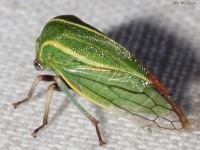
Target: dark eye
column 38, row 65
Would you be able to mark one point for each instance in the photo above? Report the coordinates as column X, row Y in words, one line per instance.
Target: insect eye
column 38, row 66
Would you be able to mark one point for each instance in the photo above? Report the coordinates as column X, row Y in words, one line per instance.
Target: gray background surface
column 162, row 35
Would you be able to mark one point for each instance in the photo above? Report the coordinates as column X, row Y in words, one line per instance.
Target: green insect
column 87, row 61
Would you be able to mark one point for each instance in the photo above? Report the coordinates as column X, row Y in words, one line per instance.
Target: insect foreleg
column 35, row 83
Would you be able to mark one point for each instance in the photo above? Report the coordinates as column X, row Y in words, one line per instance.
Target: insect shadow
column 169, row 57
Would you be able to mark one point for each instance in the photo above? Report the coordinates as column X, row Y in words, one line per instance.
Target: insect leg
column 35, row 83
column 95, row 122
column 51, row 89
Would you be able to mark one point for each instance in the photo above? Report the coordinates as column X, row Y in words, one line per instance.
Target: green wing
column 121, row 93
column 105, row 73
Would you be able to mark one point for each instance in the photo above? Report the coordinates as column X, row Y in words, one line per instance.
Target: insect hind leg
column 62, row 86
